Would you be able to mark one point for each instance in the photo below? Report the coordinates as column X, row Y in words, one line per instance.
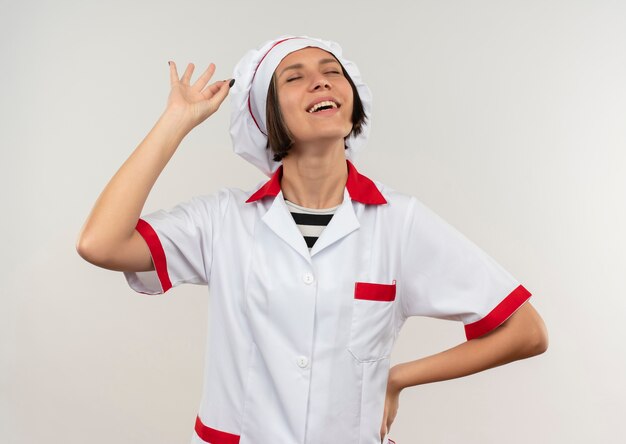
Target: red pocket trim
column 371, row 291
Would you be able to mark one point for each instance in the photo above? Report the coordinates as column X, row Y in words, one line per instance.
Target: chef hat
column 248, row 97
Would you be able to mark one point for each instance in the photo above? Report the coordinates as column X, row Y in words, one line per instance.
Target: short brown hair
column 279, row 139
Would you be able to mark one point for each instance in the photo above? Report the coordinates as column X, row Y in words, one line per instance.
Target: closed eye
column 292, row 79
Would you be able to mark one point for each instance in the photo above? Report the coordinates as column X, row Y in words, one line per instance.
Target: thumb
column 219, row 90
column 223, row 91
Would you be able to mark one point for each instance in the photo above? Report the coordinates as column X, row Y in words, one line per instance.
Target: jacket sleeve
column 444, row 275
column 181, row 243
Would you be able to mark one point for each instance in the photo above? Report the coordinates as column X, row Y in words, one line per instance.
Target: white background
column 508, row 118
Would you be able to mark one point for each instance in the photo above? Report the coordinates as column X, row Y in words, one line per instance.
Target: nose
column 321, row 83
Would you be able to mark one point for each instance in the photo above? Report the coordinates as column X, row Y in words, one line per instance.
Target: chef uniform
column 300, row 341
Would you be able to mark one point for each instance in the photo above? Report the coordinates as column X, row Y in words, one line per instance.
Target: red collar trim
column 360, row 187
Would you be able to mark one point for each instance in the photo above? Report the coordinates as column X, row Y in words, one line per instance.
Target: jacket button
column 302, row 361
column 308, row 278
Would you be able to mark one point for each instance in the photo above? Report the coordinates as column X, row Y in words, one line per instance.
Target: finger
column 173, row 73
column 218, row 90
column 205, row 77
column 221, row 94
column 187, row 74
column 212, row 89
column 383, row 431
column 215, row 95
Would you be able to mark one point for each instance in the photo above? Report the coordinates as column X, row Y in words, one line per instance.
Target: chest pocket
column 371, row 331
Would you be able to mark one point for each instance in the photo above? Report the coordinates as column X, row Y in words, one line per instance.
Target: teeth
column 323, row 104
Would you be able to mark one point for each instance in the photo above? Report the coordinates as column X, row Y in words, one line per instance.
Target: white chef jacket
column 299, row 343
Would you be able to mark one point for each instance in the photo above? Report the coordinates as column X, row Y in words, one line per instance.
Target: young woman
column 313, row 273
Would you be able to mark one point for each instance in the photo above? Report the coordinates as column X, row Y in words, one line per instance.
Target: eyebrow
column 300, row 65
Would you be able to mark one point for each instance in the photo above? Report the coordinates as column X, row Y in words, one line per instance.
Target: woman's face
column 315, row 97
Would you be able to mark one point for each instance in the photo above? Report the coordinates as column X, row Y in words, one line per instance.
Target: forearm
column 522, row 336
column 115, row 213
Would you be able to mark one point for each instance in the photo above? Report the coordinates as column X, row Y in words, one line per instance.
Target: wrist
column 176, row 122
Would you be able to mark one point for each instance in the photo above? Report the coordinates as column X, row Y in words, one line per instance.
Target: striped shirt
column 310, row 221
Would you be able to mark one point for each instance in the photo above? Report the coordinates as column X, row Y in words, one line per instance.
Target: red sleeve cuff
column 156, row 251
column 211, row 435
column 499, row 314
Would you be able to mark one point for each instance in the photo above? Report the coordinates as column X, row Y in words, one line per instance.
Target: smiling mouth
column 321, row 106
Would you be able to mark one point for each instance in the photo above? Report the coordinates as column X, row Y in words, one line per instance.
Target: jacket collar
column 360, row 187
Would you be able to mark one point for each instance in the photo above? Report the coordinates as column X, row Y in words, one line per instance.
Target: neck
column 315, row 176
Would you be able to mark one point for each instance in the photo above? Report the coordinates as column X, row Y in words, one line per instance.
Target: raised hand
column 193, row 104
column 109, row 238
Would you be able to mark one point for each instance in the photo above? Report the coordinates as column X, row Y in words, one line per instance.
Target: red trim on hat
column 499, row 314
column 254, row 75
column 214, row 436
column 360, row 187
column 156, row 251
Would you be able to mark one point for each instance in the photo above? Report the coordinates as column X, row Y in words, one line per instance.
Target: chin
column 330, row 134
column 325, row 138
